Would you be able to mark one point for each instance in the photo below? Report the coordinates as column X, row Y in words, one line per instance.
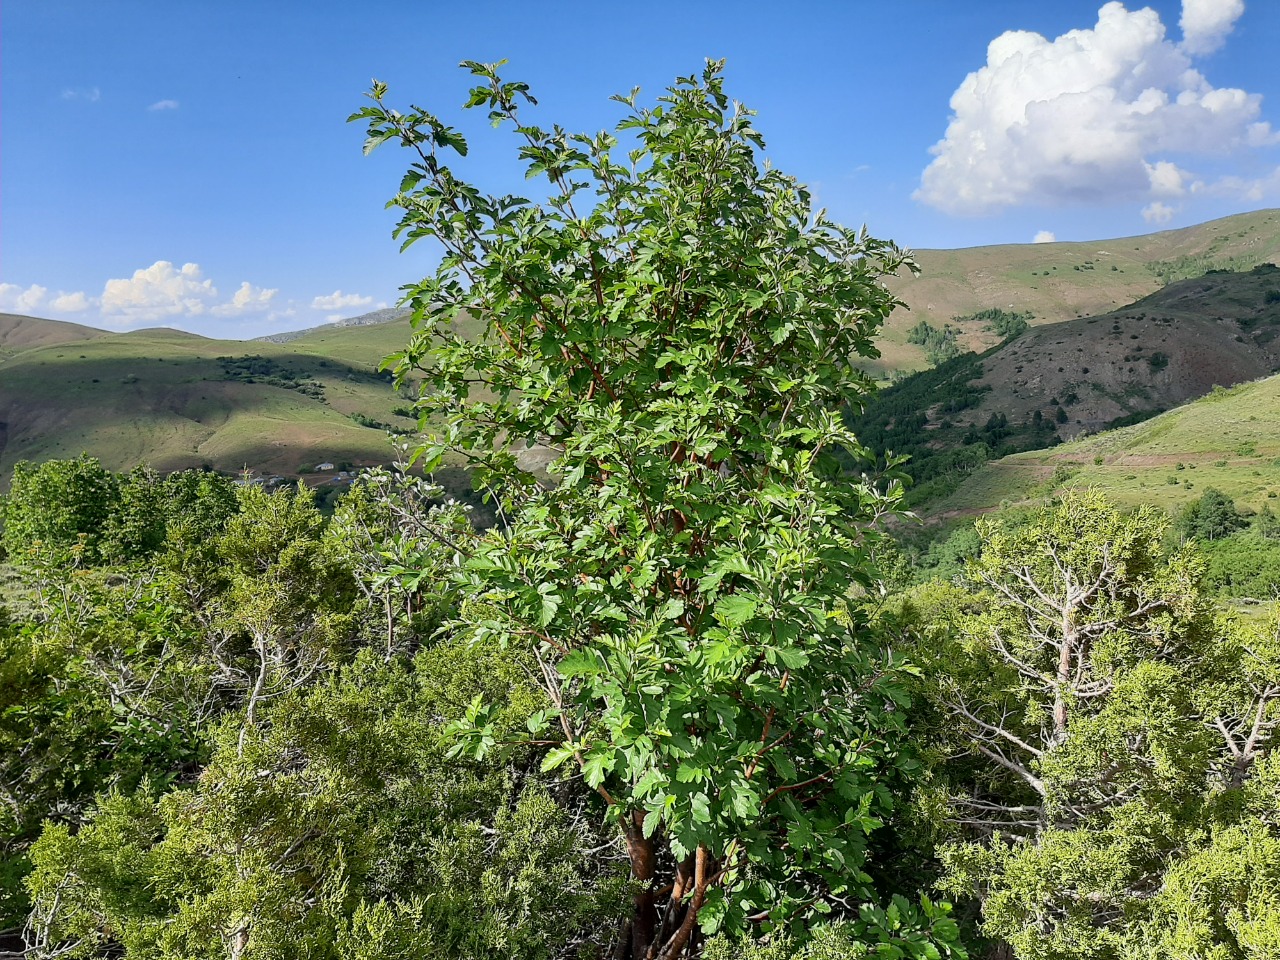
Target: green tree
column 55, row 511
column 119, row 675
column 137, row 523
column 1105, row 735
column 98, row 690
column 1006, row 324
column 338, row 827
column 676, row 327
column 402, row 540
column 77, row 512
column 1212, row 517
column 284, row 613
column 939, row 344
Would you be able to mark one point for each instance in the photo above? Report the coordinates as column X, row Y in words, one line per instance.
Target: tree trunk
column 642, row 852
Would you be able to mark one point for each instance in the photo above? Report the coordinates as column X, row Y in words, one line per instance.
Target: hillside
column 18, row 333
column 363, row 345
column 373, row 318
column 283, row 402
column 1063, row 281
column 1163, row 350
column 1059, row 381
column 177, row 400
column 1228, row 440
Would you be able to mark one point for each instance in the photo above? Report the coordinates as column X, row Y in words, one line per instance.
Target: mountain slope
column 370, row 319
column 1228, row 440
column 1057, row 381
column 1163, row 350
column 177, row 400
column 18, row 333
column 1062, row 281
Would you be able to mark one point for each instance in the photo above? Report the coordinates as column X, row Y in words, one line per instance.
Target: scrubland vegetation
column 683, row 694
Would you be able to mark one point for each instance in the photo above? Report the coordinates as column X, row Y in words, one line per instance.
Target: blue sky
column 187, row 163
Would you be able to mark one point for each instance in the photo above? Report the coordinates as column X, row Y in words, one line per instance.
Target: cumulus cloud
column 36, row 299
column 1253, row 189
column 1157, row 212
column 1206, row 23
column 16, row 299
column 247, row 299
column 1044, row 236
column 70, row 303
column 340, row 301
column 163, row 105
column 1167, row 179
column 156, row 293
column 1090, row 116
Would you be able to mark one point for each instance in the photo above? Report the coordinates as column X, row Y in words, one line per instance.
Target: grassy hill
column 178, row 400
column 364, row 346
column 1165, row 349
column 1056, row 382
column 1063, row 281
column 1228, row 440
column 373, row 318
column 19, row 333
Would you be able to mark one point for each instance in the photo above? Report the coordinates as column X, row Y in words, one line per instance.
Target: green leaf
column 700, row 808
column 688, row 772
column 598, row 765
column 556, row 757
column 579, row 663
column 734, row 610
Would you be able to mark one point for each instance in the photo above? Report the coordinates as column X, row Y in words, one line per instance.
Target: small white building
column 324, row 466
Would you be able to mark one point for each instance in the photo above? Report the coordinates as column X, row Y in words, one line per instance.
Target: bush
column 939, row 345
column 1005, row 324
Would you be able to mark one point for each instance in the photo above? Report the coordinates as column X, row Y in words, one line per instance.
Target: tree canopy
column 677, row 327
column 1107, row 736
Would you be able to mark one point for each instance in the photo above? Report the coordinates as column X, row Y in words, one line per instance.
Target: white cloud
column 164, row 105
column 340, row 301
column 91, row 94
column 70, row 303
column 35, row 299
column 1167, row 179
column 16, row 299
column 1157, row 212
column 1206, row 23
column 1044, row 236
column 1253, row 189
column 247, row 299
column 156, row 293
column 1088, row 117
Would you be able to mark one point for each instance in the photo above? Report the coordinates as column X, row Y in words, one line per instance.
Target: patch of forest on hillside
column 916, row 418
